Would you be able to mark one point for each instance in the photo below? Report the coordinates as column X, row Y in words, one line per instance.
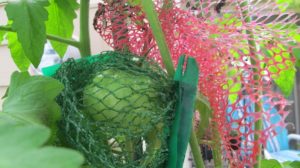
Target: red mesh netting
column 236, row 78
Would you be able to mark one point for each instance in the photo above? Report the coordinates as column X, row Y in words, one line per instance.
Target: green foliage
column 152, row 16
column 272, row 163
column 286, row 78
column 28, row 20
column 22, row 135
column 32, row 99
column 17, row 52
column 234, row 86
column 60, row 22
column 203, row 107
column 2, row 35
column 293, row 5
column 296, row 53
column 295, row 164
column 21, row 146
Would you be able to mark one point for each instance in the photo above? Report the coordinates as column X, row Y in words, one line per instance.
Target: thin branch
column 85, row 47
column 49, row 36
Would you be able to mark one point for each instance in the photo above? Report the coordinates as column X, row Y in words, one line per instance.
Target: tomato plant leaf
column 21, row 144
column 32, row 99
column 32, row 136
column 17, row 79
column 28, row 20
column 289, row 5
column 295, row 164
column 284, row 72
column 285, row 81
column 17, row 52
column 60, row 23
column 272, row 163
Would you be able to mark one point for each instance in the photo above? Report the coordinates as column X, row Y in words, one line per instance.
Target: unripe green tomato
column 120, row 99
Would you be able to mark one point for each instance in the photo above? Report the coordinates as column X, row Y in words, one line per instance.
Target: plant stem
column 216, row 149
column 63, row 40
column 196, row 153
column 149, row 9
column 85, row 47
column 49, row 36
column 258, row 106
column 207, row 142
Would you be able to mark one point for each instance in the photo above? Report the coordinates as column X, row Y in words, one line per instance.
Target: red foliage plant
column 240, row 47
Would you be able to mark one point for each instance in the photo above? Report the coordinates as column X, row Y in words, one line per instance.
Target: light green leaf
column 286, row 77
column 295, row 164
column 234, row 86
column 50, row 157
column 287, row 164
column 285, row 81
column 17, row 79
column 17, row 52
column 60, row 23
column 31, row 136
column 272, row 163
column 293, row 5
column 21, row 146
column 32, row 99
column 28, row 20
column 2, row 36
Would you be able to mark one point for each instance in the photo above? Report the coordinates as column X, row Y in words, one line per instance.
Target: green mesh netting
column 117, row 110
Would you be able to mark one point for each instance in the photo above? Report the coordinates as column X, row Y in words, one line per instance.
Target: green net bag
column 117, row 110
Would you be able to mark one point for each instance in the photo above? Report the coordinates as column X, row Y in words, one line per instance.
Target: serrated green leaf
column 17, row 79
column 60, row 23
column 32, row 99
column 17, row 52
column 28, row 20
column 272, row 163
column 21, row 147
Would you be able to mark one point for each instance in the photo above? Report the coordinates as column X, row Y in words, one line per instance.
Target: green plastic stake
column 182, row 126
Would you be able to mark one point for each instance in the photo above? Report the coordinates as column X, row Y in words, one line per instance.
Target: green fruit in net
column 116, row 110
column 121, row 100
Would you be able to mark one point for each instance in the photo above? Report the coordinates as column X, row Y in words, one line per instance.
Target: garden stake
column 151, row 14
